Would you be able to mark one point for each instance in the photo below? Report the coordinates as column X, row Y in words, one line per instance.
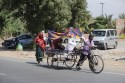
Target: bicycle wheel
column 70, row 60
column 75, row 55
column 52, row 60
column 96, row 64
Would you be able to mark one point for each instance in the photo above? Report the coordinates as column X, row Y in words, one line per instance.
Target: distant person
column 40, row 47
column 86, row 51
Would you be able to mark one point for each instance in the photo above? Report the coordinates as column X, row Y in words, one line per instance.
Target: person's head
column 40, row 35
column 91, row 37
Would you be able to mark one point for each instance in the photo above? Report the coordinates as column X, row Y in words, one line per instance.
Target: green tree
column 122, row 16
column 41, row 14
column 56, row 14
column 11, row 25
column 109, row 21
column 36, row 15
column 103, row 22
column 79, row 13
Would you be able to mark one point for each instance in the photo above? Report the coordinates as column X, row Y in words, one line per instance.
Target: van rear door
column 108, row 38
column 112, row 39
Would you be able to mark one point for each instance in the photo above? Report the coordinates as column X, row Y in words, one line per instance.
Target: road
column 121, row 44
column 28, row 71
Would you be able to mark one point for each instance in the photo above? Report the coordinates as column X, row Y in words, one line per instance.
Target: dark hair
column 91, row 37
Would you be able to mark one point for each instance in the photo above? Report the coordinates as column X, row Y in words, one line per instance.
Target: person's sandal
column 78, row 68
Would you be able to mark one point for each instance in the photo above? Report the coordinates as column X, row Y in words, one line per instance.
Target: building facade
column 120, row 26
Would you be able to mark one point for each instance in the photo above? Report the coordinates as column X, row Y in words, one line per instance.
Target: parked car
column 25, row 40
column 105, row 38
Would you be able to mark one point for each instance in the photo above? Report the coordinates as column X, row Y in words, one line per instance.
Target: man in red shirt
column 40, row 47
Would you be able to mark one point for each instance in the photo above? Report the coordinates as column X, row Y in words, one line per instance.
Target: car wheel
column 105, row 46
column 115, row 46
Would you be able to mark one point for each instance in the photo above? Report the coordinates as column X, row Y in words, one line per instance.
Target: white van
column 105, row 38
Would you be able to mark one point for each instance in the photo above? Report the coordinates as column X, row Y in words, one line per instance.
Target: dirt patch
column 17, row 54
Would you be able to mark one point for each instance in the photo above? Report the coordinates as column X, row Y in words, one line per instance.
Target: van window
column 99, row 33
column 115, row 33
column 108, row 33
column 112, row 32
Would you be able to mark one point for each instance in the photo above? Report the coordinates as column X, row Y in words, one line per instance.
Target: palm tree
column 122, row 16
column 109, row 21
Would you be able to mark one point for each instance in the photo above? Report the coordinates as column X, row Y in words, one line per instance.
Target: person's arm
column 36, row 41
column 44, row 45
column 83, row 37
column 92, row 43
column 89, row 44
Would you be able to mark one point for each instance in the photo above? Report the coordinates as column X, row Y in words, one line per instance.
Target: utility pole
column 102, row 7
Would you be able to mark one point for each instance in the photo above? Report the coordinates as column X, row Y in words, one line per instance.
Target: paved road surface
column 27, row 71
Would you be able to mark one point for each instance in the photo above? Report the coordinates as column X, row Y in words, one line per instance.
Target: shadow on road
column 60, row 68
column 39, row 65
column 46, row 66
column 82, row 70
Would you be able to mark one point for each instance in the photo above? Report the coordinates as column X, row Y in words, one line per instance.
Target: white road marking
column 3, row 74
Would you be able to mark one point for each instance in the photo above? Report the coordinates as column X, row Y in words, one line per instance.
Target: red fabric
column 41, row 42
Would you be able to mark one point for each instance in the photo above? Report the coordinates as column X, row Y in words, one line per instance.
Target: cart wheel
column 70, row 60
column 52, row 61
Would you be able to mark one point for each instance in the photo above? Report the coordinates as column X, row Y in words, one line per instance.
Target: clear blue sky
column 114, row 7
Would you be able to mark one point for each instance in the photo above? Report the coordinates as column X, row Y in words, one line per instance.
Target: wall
column 120, row 26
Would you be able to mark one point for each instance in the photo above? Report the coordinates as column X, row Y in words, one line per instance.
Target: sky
column 114, row 7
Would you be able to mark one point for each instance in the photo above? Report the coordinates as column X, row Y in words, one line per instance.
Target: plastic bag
column 71, row 45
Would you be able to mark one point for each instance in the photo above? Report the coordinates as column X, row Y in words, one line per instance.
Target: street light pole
column 102, row 7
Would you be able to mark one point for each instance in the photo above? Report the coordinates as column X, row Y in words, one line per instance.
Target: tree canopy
column 37, row 15
column 103, row 22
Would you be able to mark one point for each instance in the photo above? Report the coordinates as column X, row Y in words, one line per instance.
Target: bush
column 122, row 36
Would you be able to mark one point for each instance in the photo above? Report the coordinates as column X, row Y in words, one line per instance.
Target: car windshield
column 99, row 33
